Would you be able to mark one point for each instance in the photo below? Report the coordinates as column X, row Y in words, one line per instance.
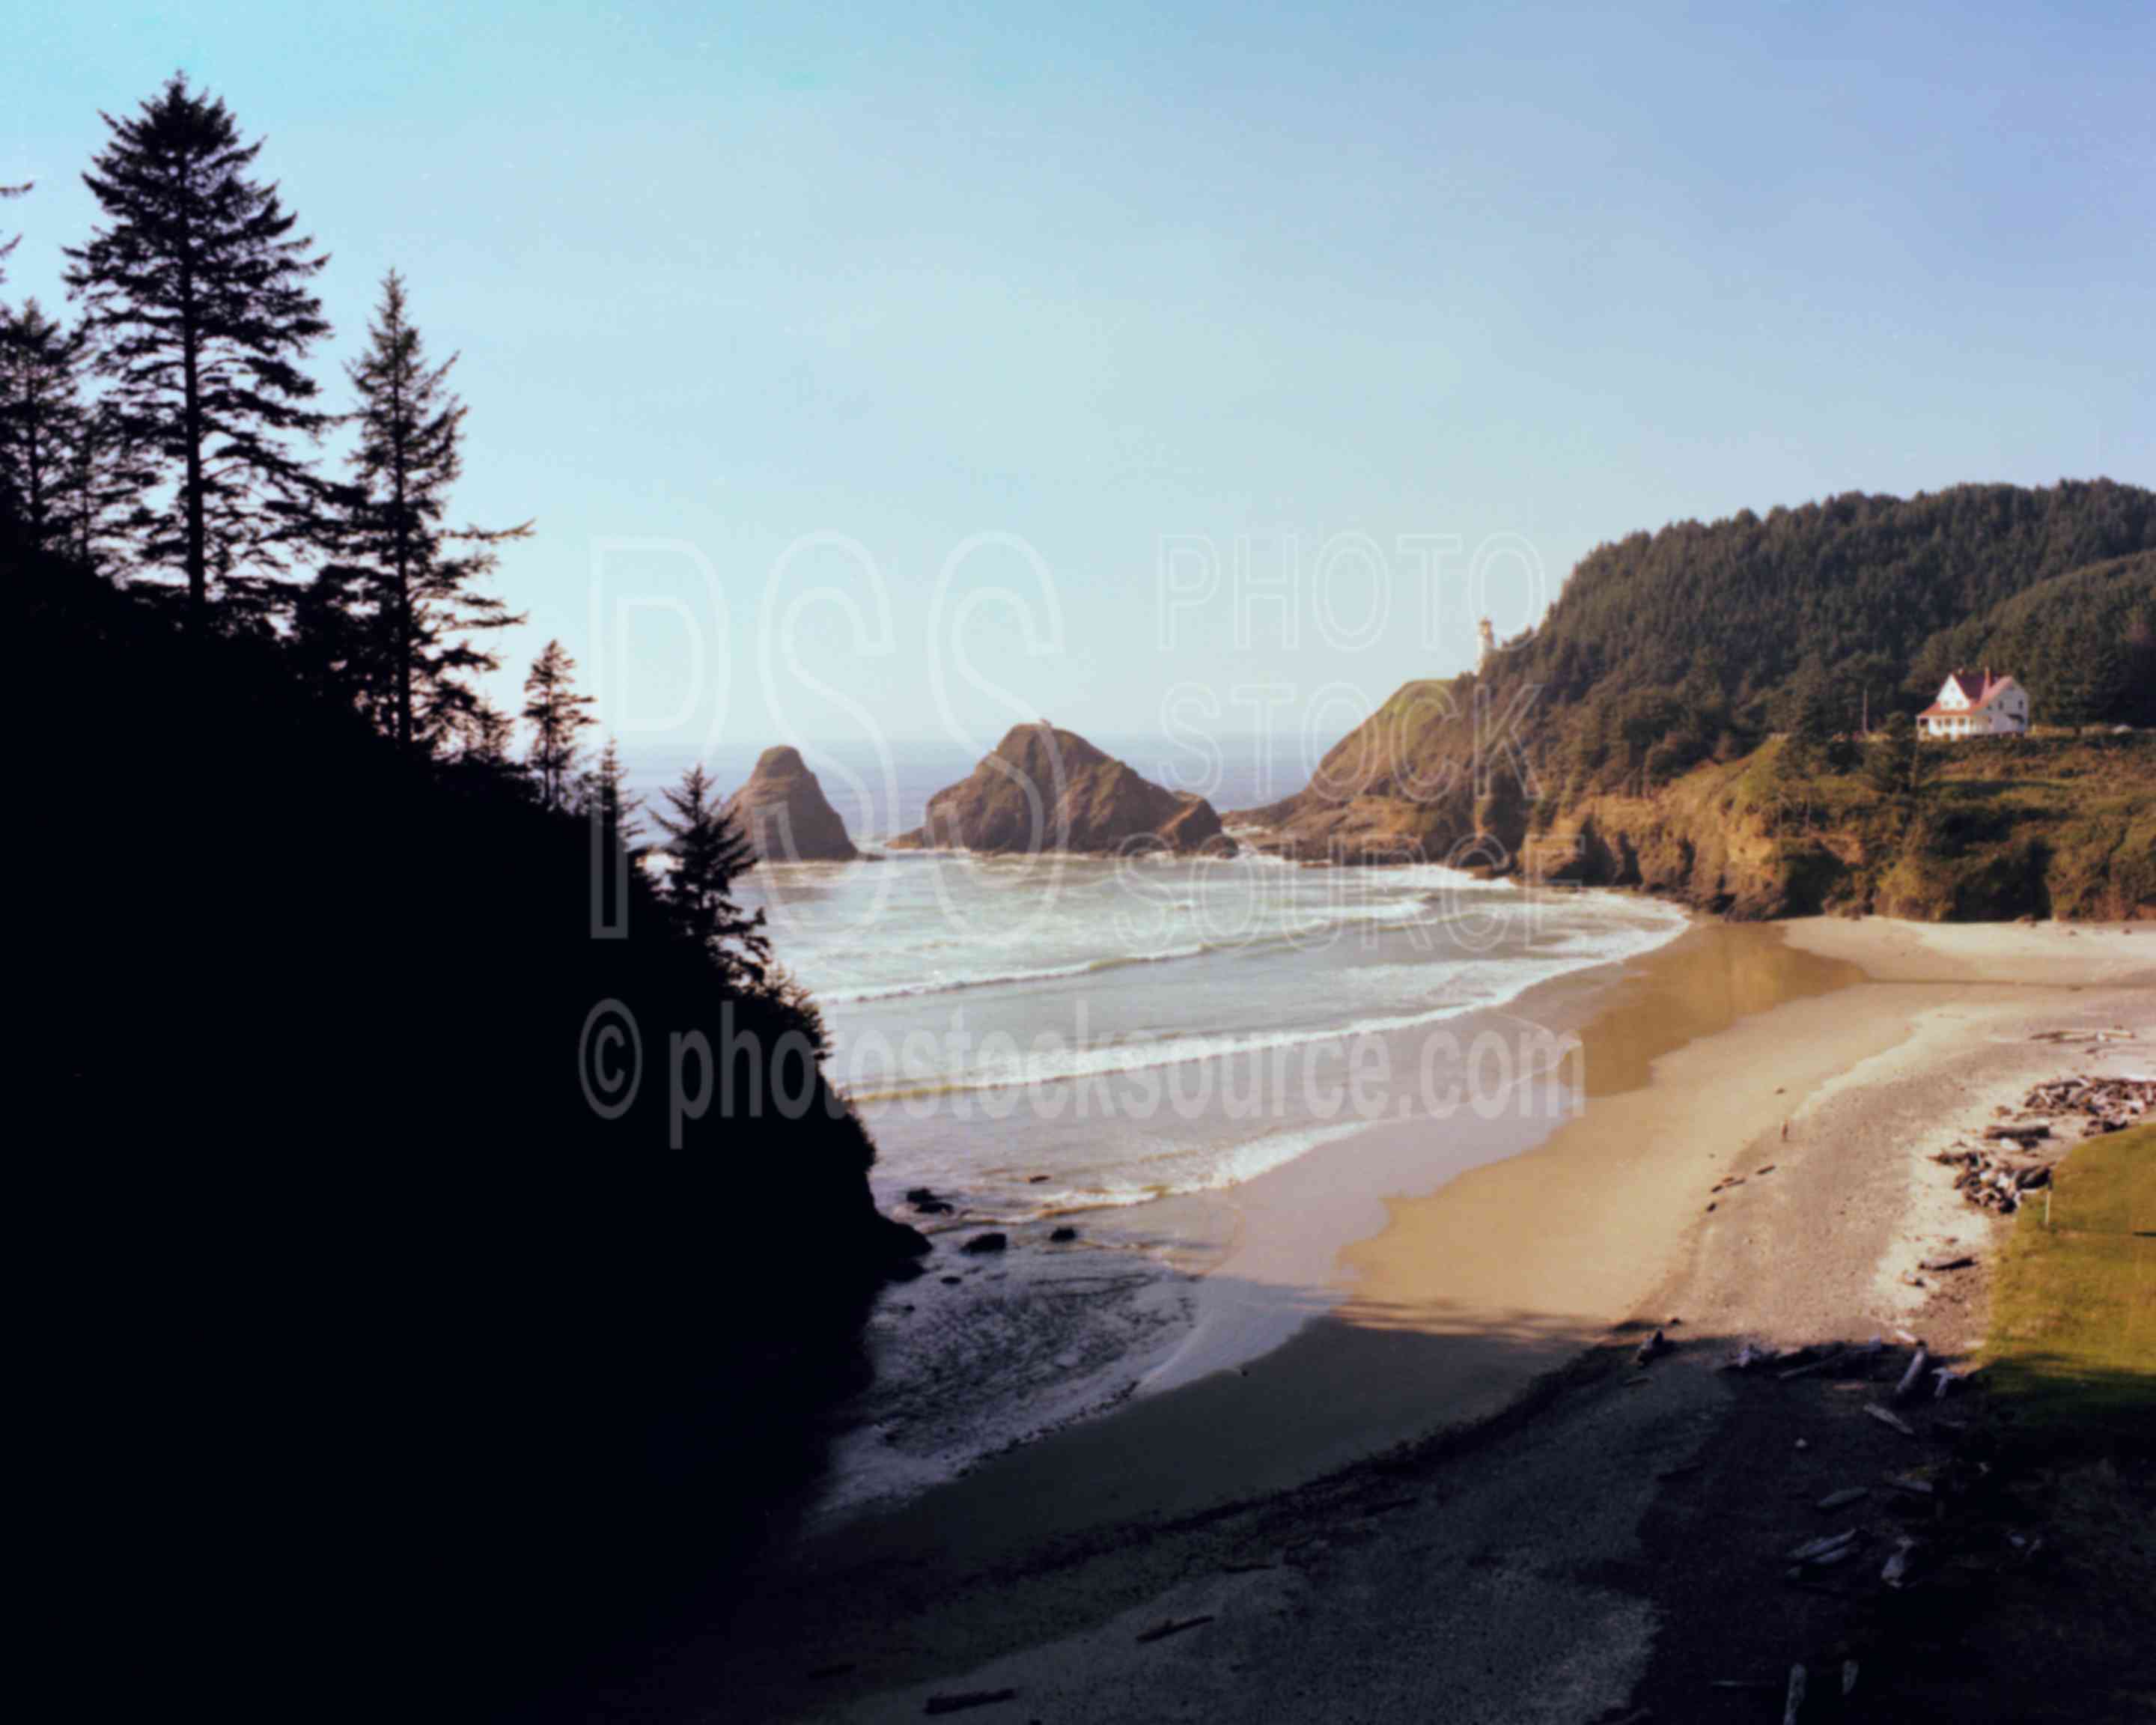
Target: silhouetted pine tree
column 396, row 557
column 604, row 800
column 487, row 736
column 606, row 797
column 557, row 714
column 332, row 640
column 70, row 474
column 10, row 508
column 198, row 297
column 709, row 852
column 40, row 405
column 102, row 514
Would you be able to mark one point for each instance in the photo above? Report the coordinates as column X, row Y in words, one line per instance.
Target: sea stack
column 1046, row 789
column 783, row 810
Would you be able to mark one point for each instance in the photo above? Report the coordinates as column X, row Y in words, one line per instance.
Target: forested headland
column 1724, row 711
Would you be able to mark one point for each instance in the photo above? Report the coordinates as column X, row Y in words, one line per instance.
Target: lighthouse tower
column 1489, row 647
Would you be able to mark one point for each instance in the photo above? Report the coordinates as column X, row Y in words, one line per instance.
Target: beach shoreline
column 1811, row 1061
column 1185, row 1213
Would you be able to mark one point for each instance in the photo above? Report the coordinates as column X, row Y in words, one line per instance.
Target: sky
column 905, row 371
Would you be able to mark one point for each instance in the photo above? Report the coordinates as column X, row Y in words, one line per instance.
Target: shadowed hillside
column 357, row 1284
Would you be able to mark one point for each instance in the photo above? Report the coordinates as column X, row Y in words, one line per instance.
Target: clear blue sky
column 1093, row 276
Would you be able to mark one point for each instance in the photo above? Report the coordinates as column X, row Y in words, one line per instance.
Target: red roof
column 1979, row 690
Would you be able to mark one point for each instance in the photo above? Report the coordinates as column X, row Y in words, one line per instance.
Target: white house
column 1973, row 705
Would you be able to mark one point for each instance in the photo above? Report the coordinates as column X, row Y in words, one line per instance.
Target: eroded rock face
column 1044, row 789
column 783, row 810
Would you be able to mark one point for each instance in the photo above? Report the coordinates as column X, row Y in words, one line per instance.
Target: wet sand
column 1414, row 1310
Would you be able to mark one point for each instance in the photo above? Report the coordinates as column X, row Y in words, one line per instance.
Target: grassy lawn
column 2073, row 1317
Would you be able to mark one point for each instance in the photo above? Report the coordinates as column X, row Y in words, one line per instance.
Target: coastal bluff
column 1043, row 789
column 785, row 815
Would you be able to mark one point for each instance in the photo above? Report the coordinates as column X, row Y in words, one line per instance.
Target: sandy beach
column 1438, row 1475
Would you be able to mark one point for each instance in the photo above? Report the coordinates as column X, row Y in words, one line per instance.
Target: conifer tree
column 2102, row 678
column 2071, row 694
column 102, row 514
column 11, row 507
column 198, row 295
column 332, row 640
column 486, row 736
column 709, row 852
column 410, row 576
column 606, row 797
column 557, row 714
column 2138, row 668
column 1893, row 760
column 1807, row 713
column 40, row 408
column 607, row 804
column 68, row 474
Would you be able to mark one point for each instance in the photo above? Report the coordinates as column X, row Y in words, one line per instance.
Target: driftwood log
column 1173, row 1627
column 1830, row 1549
column 1794, row 1703
column 1914, row 1376
column 1832, row 1356
column 969, row 1698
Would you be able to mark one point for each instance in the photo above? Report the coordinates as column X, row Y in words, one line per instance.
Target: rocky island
column 1046, row 789
column 784, row 813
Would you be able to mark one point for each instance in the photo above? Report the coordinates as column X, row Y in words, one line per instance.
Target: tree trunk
column 37, row 463
column 403, row 579
column 197, row 534
column 403, row 631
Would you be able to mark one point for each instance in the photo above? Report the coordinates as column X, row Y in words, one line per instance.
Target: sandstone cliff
column 2017, row 826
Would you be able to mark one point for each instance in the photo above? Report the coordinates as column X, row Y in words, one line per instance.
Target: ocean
column 1119, row 1047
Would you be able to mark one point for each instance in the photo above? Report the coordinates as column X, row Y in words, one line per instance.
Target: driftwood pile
column 2019, row 1150
column 1916, row 1499
column 2105, row 1104
column 1936, row 1517
column 1921, row 1378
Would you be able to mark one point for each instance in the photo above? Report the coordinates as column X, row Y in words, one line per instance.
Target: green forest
column 1699, row 641
column 1826, row 624
column 1726, row 713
